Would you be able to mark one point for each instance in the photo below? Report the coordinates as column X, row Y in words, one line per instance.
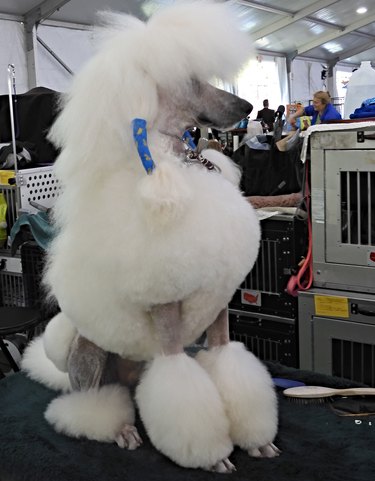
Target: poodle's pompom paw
column 223, row 466
column 97, row 414
column 267, row 451
column 247, row 392
column 194, row 432
column 129, row 438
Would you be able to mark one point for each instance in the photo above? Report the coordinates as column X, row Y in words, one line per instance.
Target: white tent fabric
column 49, row 72
column 12, row 51
column 64, row 42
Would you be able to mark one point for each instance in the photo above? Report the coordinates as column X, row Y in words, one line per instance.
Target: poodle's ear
column 164, row 194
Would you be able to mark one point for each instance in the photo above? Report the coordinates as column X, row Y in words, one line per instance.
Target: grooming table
column 316, row 443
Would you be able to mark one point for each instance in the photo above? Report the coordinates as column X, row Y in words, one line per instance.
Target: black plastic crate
column 273, row 340
column 283, row 244
column 33, row 260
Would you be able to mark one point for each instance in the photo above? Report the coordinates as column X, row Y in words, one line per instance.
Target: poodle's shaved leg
column 167, row 321
column 89, row 367
column 218, row 332
column 86, row 364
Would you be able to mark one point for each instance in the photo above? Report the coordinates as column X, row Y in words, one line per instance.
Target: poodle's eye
column 197, row 86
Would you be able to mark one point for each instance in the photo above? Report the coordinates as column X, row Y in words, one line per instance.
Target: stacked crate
column 261, row 314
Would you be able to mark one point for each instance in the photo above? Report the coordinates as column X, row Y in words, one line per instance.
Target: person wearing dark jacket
column 267, row 115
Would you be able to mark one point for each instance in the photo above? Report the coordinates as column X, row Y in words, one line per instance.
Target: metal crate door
column 350, row 207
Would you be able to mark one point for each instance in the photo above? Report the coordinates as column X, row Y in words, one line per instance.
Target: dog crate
column 39, row 187
column 36, row 189
column 337, row 334
column 261, row 314
column 20, row 277
column 11, row 282
column 283, row 244
column 343, row 208
column 270, row 338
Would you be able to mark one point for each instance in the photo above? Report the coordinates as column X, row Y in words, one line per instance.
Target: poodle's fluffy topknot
column 183, row 40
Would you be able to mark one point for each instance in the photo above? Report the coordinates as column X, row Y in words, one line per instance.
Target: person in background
column 267, row 115
column 321, row 110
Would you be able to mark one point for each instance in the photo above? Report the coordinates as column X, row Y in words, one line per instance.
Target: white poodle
column 151, row 245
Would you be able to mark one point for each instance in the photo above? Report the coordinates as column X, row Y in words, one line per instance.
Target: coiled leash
column 192, row 157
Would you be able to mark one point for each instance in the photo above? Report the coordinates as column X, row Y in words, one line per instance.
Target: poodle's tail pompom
column 38, row 367
column 57, row 339
column 164, row 194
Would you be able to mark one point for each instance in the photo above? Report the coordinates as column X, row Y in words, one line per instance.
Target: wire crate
column 21, row 279
column 11, row 282
column 32, row 262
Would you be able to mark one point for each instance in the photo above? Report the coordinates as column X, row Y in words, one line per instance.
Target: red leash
column 303, row 280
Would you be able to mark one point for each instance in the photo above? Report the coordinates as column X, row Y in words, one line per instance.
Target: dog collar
column 140, row 138
column 192, row 157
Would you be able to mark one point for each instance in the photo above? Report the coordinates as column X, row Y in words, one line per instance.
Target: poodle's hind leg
column 179, row 404
column 99, row 412
column 105, row 414
column 246, row 389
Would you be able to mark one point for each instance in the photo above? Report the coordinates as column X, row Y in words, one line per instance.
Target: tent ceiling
column 327, row 30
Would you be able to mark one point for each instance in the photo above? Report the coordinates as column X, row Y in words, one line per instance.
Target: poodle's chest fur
column 123, row 263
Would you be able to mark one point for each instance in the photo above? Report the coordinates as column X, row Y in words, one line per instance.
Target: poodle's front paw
column 267, row 451
column 223, row 466
column 128, row 437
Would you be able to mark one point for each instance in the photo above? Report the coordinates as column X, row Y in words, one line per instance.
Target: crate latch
column 361, row 137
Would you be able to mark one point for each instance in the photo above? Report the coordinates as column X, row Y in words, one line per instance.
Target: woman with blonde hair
column 321, row 110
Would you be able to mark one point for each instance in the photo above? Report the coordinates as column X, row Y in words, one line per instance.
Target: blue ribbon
column 140, row 138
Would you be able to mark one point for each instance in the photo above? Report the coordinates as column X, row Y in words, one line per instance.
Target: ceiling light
column 262, row 42
column 361, row 10
column 332, row 47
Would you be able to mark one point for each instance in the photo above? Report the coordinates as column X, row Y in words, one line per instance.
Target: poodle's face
column 216, row 108
column 201, row 105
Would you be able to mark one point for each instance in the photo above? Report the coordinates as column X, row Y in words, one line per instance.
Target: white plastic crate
column 37, row 185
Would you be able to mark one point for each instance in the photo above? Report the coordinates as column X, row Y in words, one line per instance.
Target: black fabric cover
column 264, row 170
column 34, row 113
column 316, row 444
